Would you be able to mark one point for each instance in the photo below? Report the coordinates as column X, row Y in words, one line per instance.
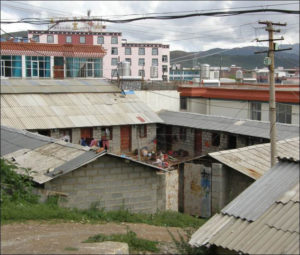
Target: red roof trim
column 240, row 94
column 70, row 50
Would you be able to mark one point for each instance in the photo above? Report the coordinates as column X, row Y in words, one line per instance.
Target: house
column 208, row 183
column 79, row 108
column 42, row 60
column 86, row 177
column 242, row 101
column 198, row 134
column 147, row 60
column 264, row 219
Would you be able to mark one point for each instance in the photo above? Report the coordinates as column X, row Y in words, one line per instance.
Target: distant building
column 242, row 101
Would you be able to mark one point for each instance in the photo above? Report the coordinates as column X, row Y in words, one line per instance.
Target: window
column 106, row 133
column 231, row 142
column 36, row 38
column 165, row 77
column 68, row 39
column 114, row 51
column 255, row 111
column 141, row 61
column 154, row 51
column 127, row 51
column 283, row 113
column 100, row 40
column 11, row 66
column 183, row 103
column 114, row 40
column 164, row 58
column 128, row 60
column 164, row 68
column 114, row 72
column 142, row 73
column 37, row 66
column 84, row 67
column 114, row 61
column 215, row 139
column 82, row 39
column 50, row 39
column 141, row 51
column 142, row 129
column 154, row 62
column 182, row 134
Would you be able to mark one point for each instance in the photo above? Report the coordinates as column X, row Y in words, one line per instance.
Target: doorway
column 125, row 138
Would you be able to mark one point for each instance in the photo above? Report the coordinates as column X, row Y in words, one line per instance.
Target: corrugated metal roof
column 226, row 124
column 254, row 160
column 275, row 231
column 253, row 201
column 49, row 111
column 46, row 157
column 26, row 86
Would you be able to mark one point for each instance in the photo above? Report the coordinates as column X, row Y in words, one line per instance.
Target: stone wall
column 112, row 183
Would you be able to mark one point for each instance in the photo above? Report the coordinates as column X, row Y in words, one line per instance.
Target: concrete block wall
column 207, row 145
column 219, row 187
column 146, row 141
column 187, row 144
column 112, row 183
column 172, row 182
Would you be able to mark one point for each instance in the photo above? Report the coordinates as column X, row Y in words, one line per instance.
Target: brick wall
column 113, row 183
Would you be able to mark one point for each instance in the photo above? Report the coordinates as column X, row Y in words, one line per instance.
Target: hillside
column 243, row 57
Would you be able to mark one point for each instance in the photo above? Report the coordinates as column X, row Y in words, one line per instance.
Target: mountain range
column 244, row 57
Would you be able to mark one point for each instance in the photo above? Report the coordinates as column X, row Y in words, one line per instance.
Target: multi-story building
column 148, row 60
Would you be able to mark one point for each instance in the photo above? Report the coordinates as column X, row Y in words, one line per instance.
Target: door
column 87, row 133
column 125, row 138
column 58, row 67
column 35, row 68
column 198, row 142
column 90, row 69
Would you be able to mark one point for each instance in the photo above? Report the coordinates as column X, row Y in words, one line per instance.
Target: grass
column 71, row 249
column 20, row 211
column 135, row 244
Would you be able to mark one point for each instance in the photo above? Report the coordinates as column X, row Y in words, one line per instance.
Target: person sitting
column 93, row 142
column 83, row 141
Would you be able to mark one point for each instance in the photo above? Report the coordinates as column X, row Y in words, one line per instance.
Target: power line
column 36, row 21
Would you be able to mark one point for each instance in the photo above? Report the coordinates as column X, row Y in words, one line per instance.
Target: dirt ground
column 53, row 238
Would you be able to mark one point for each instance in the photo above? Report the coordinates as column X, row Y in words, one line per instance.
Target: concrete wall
column 112, row 183
column 227, row 184
column 160, row 99
column 233, row 108
column 115, row 143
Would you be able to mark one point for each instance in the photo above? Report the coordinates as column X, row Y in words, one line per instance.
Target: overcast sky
column 189, row 34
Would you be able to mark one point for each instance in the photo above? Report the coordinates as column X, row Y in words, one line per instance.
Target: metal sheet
column 253, row 201
column 80, row 109
column 226, row 124
column 254, row 161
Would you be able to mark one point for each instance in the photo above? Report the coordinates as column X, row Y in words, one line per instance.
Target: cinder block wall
column 113, row 183
column 146, row 141
column 207, row 145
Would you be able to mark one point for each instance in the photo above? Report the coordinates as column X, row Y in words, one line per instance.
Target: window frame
column 128, row 49
column 114, row 50
column 140, row 62
column 142, row 51
column 113, row 41
column 164, row 58
column 255, row 110
column 102, row 41
column 141, row 71
column 215, row 139
column 156, row 62
column 50, row 36
column 283, row 113
column 183, row 103
column 142, row 130
column 35, row 38
column 155, row 53
column 80, row 39
column 70, row 37
column 114, row 61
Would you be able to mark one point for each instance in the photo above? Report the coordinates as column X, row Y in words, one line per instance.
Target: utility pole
column 270, row 62
column 220, row 69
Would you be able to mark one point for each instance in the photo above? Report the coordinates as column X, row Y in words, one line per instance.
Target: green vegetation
column 71, row 249
column 183, row 246
column 135, row 244
column 19, row 204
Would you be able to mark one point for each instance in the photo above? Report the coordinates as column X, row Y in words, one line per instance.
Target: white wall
column 160, row 99
column 233, row 108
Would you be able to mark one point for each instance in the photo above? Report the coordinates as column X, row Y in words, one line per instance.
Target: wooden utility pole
column 270, row 62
